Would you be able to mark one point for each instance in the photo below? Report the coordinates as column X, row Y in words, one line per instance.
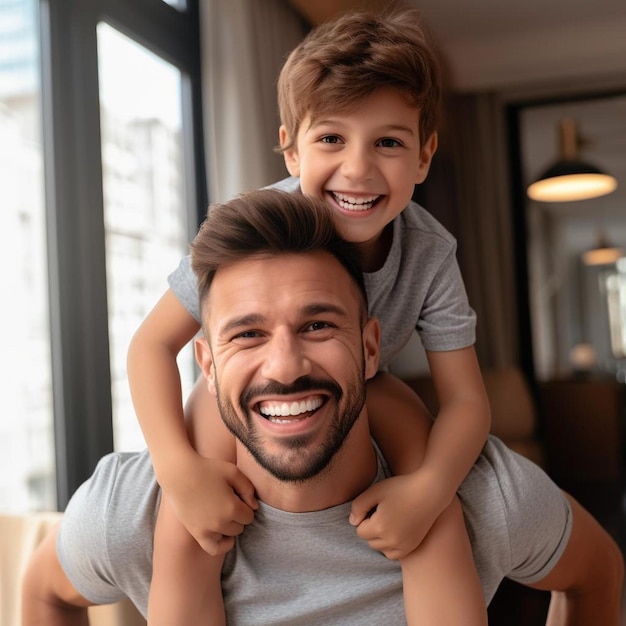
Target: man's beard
column 299, row 460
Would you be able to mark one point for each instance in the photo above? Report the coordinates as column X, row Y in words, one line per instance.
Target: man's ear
column 204, row 356
column 426, row 156
column 371, row 347
column 292, row 161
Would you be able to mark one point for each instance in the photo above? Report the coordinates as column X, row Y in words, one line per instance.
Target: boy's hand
column 214, row 501
column 394, row 515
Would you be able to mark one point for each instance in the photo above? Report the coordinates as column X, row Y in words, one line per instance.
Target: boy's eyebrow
column 382, row 129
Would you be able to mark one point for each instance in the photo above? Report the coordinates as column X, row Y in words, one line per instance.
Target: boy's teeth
column 354, row 204
column 287, row 409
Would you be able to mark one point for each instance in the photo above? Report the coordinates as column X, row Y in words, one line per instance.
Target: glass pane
column 144, row 202
column 181, row 5
column 27, row 476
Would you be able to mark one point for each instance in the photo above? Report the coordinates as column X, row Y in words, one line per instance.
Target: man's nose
column 284, row 359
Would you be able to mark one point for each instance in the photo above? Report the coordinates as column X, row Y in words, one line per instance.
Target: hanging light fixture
column 603, row 253
column 570, row 179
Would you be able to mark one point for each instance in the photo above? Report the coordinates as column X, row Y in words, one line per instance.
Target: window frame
column 81, row 376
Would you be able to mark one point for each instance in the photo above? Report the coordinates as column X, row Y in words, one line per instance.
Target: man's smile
column 283, row 412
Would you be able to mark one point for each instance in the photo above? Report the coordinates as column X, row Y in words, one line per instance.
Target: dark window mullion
column 81, row 373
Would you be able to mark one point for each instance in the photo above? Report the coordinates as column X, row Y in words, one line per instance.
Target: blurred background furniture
column 19, row 536
column 571, row 428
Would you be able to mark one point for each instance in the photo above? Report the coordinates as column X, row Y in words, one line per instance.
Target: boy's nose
column 358, row 164
column 284, row 361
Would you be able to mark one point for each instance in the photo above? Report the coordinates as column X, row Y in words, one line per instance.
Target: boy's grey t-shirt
column 418, row 287
column 310, row 568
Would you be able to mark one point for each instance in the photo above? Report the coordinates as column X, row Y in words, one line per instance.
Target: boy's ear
column 426, row 156
column 371, row 347
column 204, row 356
column 292, row 162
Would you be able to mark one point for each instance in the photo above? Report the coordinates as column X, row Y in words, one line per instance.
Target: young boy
column 358, row 99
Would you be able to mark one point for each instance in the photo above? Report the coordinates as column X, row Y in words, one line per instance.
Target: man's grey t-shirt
column 310, row 568
column 418, row 287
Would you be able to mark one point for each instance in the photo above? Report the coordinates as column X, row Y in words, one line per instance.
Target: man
column 287, row 321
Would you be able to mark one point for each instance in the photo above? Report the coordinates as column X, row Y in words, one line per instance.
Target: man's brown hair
column 268, row 222
column 343, row 61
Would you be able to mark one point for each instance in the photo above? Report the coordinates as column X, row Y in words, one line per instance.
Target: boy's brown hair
column 343, row 61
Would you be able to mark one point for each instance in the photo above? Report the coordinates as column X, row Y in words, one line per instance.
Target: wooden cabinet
column 582, row 424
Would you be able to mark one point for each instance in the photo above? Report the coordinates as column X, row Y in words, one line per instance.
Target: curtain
column 244, row 44
column 474, row 147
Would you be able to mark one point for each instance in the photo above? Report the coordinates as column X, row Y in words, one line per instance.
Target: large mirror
column 577, row 300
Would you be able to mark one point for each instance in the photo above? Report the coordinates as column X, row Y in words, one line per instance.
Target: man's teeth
column 350, row 203
column 273, row 410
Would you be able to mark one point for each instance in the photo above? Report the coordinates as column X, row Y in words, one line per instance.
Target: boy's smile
column 365, row 163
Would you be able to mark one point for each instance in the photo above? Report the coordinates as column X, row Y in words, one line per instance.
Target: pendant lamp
column 603, row 253
column 570, row 178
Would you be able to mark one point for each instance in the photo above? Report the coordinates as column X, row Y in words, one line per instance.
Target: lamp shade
column 570, row 178
column 603, row 253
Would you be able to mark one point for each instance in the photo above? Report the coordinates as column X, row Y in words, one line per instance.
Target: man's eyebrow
column 241, row 322
column 324, row 307
column 253, row 319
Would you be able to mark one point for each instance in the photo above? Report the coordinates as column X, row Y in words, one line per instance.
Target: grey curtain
column 471, row 183
column 244, row 45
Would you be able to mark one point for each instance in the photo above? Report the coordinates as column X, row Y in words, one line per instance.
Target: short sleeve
column 105, row 539
column 82, row 539
column 184, row 285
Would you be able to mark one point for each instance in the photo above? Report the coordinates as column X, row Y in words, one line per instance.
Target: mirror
column 577, row 309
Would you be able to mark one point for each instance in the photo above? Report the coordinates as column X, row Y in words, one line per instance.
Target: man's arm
column 48, row 597
column 586, row 583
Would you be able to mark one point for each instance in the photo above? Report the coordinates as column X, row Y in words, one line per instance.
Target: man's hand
column 395, row 515
column 214, row 500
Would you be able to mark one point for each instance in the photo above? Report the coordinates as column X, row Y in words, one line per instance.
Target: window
column 26, row 434
column 87, row 197
column 145, row 224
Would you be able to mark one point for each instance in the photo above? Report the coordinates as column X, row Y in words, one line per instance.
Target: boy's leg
column 186, row 586
column 440, row 582
column 207, row 431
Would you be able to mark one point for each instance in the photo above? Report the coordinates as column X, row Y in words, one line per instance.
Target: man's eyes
column 317, row 326
column 247, row 334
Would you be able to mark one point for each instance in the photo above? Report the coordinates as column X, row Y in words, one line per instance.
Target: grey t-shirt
column 418, row 287
column 310, row 568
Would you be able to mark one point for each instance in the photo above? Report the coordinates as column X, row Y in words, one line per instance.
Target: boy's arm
column 155, row 383
column 587, row 581
column 462, row 424
column 202, row 491
column 408, row 504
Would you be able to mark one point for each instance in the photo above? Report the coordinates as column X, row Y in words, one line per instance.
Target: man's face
column 364, row 162
column 287, row 357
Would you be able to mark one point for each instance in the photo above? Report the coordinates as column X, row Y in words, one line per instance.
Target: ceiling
column 502, row 45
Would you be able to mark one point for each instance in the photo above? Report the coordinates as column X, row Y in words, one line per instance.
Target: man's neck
column 350, row 472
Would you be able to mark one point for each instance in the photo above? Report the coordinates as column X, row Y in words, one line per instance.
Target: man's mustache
column 300, row 385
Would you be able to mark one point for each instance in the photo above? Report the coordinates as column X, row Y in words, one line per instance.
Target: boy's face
column 364, row 163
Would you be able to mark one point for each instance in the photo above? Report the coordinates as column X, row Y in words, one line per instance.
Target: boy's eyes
column 389, row 142
column 332, row 139
column 385, row 142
